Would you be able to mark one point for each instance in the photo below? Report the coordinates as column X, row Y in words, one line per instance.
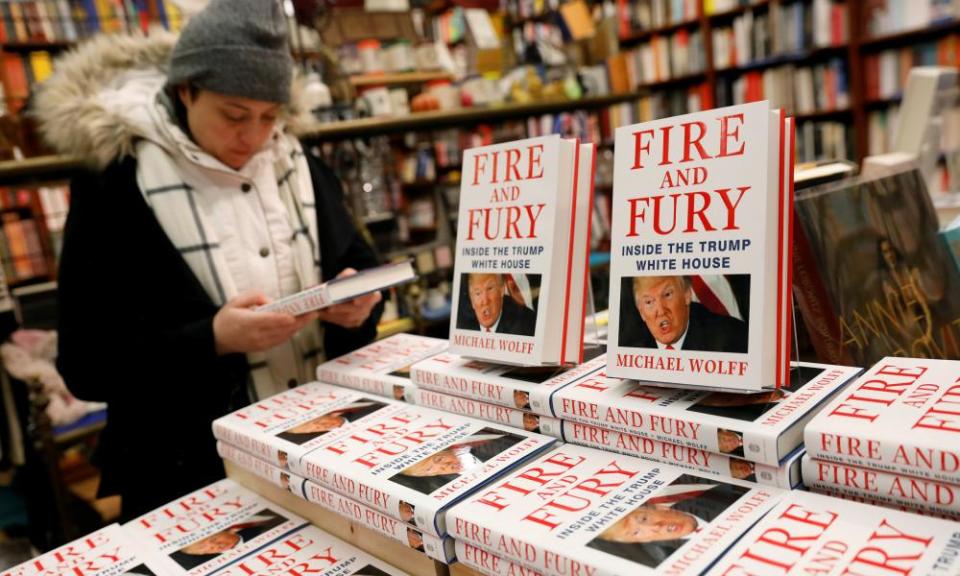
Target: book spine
column 314, row 299
column 356, row 380
column 261, row 468
column 711, row 463
column 884, row 488
column 490, row 412
column 258, row 447
column 435, row 547
column 488, row 563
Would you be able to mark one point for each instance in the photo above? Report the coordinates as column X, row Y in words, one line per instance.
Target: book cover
column 382, row 367
column 417, row 459
column 580, row 510
column 524, row 209
column 763, row 427
column 488, row 563
column 815, row 534
column 787, row 475
column 885, row 488
column 698, row 240
column 900, row 416
column 211, row 528
column 892, row 288
column 274, row 474
column 312, row 551
column 524, row 419
column 401, row 530
column 520, row 387
column 106, row 552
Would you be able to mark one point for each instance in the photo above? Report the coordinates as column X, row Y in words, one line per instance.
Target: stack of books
column 891, row 438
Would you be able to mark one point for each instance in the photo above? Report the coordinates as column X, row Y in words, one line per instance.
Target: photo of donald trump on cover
column 498, row 303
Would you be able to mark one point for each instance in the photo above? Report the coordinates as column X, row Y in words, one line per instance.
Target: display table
column 397, row 554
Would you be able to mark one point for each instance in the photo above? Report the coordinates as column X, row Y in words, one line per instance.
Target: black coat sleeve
column 341, row 246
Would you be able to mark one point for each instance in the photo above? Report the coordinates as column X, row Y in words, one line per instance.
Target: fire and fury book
column 275, row 475
column 580, row 510
column 382, row 367
column 815, row 534
column 435, row 547
column 523, row 247
column 107, row 552
column 520, row 387
column 312, row 551
column 529, row 421
column 901, row 416
column 763, row 427
column 488, row 563
column 699, row 277
column 211, row 528
column 885, row 488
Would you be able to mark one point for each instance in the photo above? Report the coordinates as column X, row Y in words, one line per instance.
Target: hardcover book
column 343, row 289
column 885, row 488
column 521, row 272
column 700, row 246
column 275, row 475
column 312, row 551
column 207, row 530
column 401, row 530
column 580, row 510
column 900, row 416
column 763, row 427
column 529, row 421
column 488, row 563
column 107, row 552
column 787, row 475
column 521, row 387
column 811, row 533
column 382, row 367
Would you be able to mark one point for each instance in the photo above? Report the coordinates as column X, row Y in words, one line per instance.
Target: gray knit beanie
column 237, row 48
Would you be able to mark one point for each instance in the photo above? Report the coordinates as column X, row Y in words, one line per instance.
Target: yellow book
column 41, row 65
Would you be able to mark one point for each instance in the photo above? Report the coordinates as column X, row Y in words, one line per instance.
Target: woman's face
column 229, row 128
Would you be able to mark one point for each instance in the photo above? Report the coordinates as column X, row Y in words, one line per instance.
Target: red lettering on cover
column 525, row 164
column 546, row 470
column 892, row 550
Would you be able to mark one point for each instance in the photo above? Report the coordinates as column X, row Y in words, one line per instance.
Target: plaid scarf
column 165, row 181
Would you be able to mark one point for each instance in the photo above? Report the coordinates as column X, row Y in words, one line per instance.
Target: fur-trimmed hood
column 75, row 118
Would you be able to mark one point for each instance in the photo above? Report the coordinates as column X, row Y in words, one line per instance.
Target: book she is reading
column 344, row 289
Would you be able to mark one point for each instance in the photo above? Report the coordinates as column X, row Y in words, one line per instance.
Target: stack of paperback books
column 222, row 529
column 891, row 438
column 391, row 466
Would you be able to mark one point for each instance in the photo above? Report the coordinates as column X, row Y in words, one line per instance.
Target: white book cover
column 763, row 427
column 889, row 489
column 786, row 475
column 697, row 245
column 519, row 206
column 282, row 428
column 204, row 531
column 488, row 563
column 105, row 552
column 580, row 510
column 900, row 416
column 274, row 474
column 815, row 534
column 529, row 421
column 524, row 387
column 440, row 549
column 311, row 551
column 382, row 367
column 417, row 458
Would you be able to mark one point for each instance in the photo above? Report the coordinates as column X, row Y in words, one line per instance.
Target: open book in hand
column 343, row 289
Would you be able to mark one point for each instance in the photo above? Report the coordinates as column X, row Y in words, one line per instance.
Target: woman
column 202, row 208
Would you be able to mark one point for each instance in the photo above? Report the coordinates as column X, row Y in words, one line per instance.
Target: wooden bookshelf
column 904, row 37
column 734, row 12
column 398, row 79
column 636, row 36
column 50, row 46
column 41, row 168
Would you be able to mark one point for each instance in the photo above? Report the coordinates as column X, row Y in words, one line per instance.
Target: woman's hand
column 237, row 327
column 354, row 313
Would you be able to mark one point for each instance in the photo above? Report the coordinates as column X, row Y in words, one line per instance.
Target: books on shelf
column 382, row 367
column 892, row 16
column 606, row 514
column 524, row 419
column 519, row 287
column 344, row 288
column 851, row 538
column 699, row 287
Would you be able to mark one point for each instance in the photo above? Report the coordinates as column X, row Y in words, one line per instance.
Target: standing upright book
column 900, row 416
column 209, row 529
column 382, row 367
column 815, row 534
column 700, row 246
column 521, row 272
column 577, row 510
